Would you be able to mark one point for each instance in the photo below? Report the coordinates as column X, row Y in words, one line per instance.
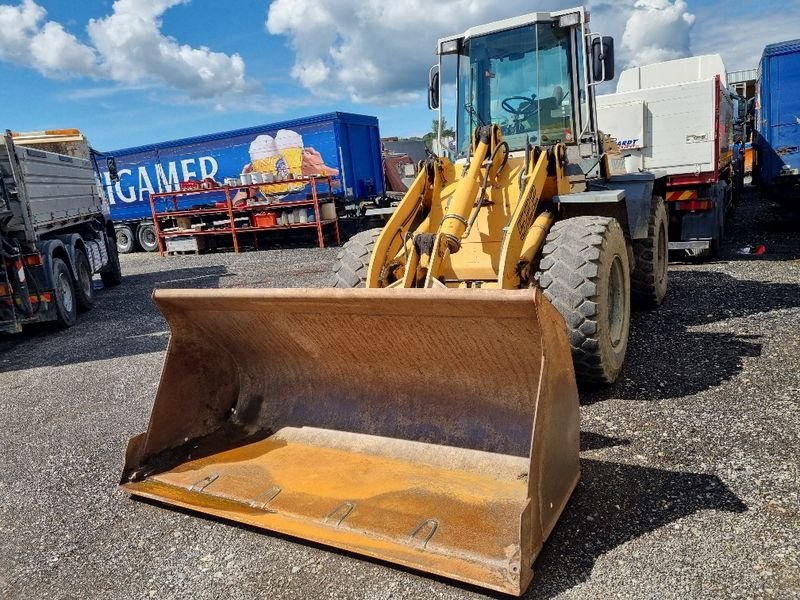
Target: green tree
column 434, row 132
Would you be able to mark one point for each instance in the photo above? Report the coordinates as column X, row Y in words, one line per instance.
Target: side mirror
column 602, row 59
column 433, row 87
column 111, row 163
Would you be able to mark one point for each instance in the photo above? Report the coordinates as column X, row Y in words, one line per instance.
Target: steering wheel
column 523, row 108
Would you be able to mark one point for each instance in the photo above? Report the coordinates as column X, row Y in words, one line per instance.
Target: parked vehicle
column 676, row 117
column 431, row 420
column 55, row 235
column 345, row 145
column 777, row 121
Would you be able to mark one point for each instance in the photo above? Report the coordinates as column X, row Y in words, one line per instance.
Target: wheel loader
column 427, row 415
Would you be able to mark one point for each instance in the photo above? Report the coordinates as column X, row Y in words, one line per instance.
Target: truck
column 344, row 145
column 676, row 117
column 56, row 234
column 777, row 123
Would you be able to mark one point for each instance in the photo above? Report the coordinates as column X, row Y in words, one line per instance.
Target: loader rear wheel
column 649, row 277
column 352, row 262
column 584, row 272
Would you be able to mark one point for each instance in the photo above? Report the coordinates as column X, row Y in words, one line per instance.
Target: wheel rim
column 65, row 292
column 616, row 302
column 123, row 239
column 149, row 237
column 661, row 255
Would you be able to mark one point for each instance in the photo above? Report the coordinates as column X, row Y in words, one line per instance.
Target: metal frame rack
column 232, row 211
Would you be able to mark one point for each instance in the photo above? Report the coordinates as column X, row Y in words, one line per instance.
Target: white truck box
column 674, row 117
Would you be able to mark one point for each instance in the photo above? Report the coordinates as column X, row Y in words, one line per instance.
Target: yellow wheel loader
column 431, row 418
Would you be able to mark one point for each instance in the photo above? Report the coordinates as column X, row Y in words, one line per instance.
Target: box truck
column 676, row 118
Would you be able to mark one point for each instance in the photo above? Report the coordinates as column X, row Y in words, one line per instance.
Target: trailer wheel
column 584, row 272
column 84, row 289
column 64, row 295
column 125, row 239
column 649, row 277
column 146, row 234
column 352, row 262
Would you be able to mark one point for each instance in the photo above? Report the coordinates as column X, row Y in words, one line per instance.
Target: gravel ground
column 690, row 466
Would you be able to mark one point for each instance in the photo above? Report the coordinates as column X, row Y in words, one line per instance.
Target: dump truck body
column 55, row 235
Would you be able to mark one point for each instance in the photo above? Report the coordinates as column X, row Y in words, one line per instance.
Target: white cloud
column 27, row 40
column 657, row 30
column 127, row 47
column 55, row 51
column 379, row 52
column 133, row 50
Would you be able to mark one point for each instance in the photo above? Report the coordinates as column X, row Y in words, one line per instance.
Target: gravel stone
column 689, row 483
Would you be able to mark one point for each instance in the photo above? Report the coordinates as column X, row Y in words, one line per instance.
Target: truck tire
column 650, row 255
column 146, row 234
column 584, row 272
column 352, row 262
column 84, row 287
column 64, row 295
column 113, row 274
column 125, row 239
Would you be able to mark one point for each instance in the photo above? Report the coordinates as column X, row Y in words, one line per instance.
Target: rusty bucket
column 436, row 429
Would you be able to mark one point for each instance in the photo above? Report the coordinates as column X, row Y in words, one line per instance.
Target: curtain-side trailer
column 676, row 117
column 344, row 145
column 777, row 121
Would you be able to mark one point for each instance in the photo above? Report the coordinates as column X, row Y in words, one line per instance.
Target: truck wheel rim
column 149, row 237
column 65, row 292
column 616, row 302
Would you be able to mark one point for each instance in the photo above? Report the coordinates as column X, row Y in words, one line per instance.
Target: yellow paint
column 477, row 513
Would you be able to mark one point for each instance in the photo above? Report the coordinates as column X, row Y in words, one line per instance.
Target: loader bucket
column 436, row 429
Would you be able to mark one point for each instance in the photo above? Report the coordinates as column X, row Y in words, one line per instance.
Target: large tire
column 650, row 255
column 146, row 235
column 113, row 274
column 64, row 295
column 584, row 272
column 84, row 286
column 352, row 262
column 126, row 243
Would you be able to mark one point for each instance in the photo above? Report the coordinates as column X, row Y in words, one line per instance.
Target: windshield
column 518, row 79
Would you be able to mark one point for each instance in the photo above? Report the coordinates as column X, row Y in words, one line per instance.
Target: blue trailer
column 777, row 121
column 344, row 145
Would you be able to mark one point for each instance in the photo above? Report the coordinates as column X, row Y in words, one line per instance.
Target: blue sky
column 141, row 71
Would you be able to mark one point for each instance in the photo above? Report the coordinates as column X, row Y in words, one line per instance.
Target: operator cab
column 527, row 75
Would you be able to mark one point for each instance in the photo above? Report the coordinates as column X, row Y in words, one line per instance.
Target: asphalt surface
column 689, row 482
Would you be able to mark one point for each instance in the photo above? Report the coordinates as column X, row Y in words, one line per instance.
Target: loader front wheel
column 584, row 272
column 352, row 262
column 649, row 277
